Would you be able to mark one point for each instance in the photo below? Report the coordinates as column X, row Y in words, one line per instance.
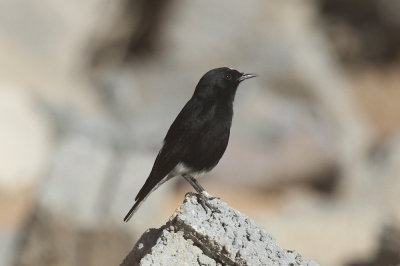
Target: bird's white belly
column 182, row 169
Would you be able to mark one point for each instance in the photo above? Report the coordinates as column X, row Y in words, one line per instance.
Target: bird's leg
column 196, row 185
column 203, row 195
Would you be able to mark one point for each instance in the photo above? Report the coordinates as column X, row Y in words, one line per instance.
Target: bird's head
column 220, row 82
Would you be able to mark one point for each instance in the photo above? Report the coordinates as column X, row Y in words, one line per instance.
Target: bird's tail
column 144, row 192
column 134, row 209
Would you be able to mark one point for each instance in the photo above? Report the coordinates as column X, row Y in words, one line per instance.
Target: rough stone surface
column 222, row 236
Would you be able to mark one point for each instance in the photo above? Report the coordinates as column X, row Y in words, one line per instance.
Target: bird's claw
column 203, row 198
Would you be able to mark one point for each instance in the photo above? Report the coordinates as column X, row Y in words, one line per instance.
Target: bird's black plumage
column 198, row 137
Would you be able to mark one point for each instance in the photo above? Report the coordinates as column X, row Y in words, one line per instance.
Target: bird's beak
column 246, row 76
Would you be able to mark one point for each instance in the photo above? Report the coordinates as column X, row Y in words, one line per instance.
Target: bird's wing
column 184, row 130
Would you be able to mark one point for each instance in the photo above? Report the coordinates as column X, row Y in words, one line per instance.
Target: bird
column 199, row 135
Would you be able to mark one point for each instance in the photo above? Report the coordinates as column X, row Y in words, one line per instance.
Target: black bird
column 198, row 137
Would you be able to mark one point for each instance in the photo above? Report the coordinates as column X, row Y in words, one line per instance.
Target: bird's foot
column 203, row 198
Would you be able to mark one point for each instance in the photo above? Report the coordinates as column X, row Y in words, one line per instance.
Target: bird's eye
column 228, row 76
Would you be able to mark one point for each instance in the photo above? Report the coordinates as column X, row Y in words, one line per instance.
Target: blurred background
column 89, row 88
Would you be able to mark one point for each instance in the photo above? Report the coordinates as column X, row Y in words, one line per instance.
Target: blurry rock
column 52, row 240
column 8, row 246
column 75, row 181
column 25, row 142
column 68, row 208
column 132, row 30
column 349, row 231
column 25, row 139
column 15, row 205
column 90, row 187
column 42, row 46
column 363, row 30
column 350, row 220
column 381, row 185
column 377, row 90
column 55, row 31
column 389, row 248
